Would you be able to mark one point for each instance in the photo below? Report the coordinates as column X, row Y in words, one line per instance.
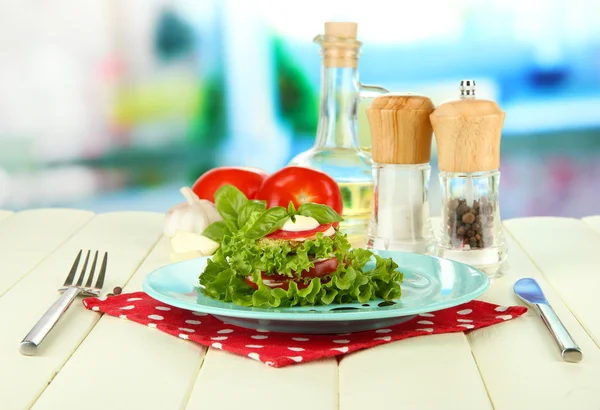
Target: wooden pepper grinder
column 467, row 132
column 401, row 136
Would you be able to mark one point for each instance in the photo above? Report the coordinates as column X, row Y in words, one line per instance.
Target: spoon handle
column 569, row 350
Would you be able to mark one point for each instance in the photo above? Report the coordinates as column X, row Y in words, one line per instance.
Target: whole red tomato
column 300, row 185
column 247, row 180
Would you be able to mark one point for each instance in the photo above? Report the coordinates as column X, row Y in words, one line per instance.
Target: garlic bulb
column 194, row 215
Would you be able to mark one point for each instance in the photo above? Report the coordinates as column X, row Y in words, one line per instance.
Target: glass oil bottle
column 337, row 150
column 468, row 132
column 401, row 137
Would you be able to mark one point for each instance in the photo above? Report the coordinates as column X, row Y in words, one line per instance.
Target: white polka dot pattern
column 425, row 322
column 185, row 329
column 193, row 322
column 219, row 338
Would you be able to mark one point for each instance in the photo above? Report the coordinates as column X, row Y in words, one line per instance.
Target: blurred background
column 114, row 105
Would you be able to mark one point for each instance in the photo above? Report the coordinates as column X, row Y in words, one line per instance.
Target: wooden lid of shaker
column 400, row 128
column 467, row 132
column 339, row 43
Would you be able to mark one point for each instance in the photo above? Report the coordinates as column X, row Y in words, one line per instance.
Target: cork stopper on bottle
column 468, row 132
column 341, row 29
column 339, row 43
column 401, row 131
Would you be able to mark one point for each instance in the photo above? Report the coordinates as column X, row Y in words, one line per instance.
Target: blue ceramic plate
column 430, row 284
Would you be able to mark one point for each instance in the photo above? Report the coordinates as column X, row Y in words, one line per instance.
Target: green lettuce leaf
column 239, row 256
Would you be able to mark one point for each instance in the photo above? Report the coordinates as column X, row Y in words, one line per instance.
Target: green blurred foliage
column 173, row 37
column 298, row 101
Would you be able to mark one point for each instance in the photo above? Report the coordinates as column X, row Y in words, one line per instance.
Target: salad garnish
column 262, row 262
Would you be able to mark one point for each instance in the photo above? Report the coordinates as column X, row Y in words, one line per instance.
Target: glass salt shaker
column 337, row 150
column 401, row 135
column 468, row 132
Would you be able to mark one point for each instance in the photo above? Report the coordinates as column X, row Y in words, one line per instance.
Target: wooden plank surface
column 128, row 237
column 593, row 222
column 519, row 361
column 28, row 237
column 428, row 372
column 135, row 367
column 567, row 251
column 230, row 382
column 5, row 214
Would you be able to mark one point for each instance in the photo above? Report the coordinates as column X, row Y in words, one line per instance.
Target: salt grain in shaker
column 468, row 132
column 401, row 136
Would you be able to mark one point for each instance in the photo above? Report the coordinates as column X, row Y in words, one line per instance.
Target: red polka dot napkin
column 282, row 349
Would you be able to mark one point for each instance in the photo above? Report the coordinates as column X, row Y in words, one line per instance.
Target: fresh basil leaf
column 229, row 202
column 216, row 231
column 249, row 208
column 292, row 211
column 291, row 208
column 271, row 220
column 322, row 213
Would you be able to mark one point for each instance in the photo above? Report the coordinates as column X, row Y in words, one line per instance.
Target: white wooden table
column 95, row 362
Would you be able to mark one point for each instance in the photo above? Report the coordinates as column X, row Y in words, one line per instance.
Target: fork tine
column 80, row 280
column 88, row 284
column 69, row 280
column 100, row 281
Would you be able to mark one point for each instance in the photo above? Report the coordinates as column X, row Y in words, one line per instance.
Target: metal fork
column 36, row 335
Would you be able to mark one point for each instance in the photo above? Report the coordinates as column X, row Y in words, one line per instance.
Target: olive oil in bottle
column 358, row 198
column 338, row 150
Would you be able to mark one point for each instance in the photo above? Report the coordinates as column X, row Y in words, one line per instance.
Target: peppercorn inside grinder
column 468, row 132
column 401, row 137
